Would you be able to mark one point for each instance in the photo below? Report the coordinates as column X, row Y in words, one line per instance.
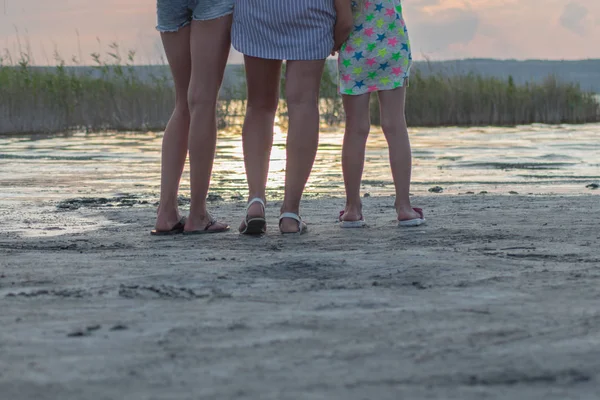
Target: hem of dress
column 256, row 55
column 381, row 89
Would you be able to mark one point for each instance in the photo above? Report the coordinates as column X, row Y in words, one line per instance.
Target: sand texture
column 498, row 297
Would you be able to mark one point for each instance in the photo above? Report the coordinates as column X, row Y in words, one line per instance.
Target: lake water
column 535, row 159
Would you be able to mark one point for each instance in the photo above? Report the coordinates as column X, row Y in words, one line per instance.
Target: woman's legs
column 209, row 44
column 175, row 140
column 303, row 80
column 358, row 125
column 263, row 78
column 394, row 127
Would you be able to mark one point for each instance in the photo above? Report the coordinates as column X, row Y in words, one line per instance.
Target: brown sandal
column 176, row 230
column 207, row 230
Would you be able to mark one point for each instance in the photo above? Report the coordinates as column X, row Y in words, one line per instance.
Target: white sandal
column 255, row 225
column 302, row 228
column 413, row 222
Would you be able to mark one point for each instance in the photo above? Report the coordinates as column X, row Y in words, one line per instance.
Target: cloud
column 574, row 18
column 439, row 29
column 436, row 29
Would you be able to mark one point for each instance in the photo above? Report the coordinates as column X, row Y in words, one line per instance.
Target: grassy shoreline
column 112, row 97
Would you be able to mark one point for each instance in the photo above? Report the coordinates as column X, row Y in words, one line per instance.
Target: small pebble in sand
column 513, row 192
column 436, row 189
column 93, row 328
column 593, row 186
column 214, row 197
column 119, row 327
column 419, row 285
column 367, row 195
column 84, row 332
column 78, row 333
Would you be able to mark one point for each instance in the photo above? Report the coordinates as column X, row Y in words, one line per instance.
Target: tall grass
column 110, row 96
column 113, row 97
column 473, row 100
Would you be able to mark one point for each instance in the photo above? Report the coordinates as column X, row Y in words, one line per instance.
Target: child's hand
column 343, row 24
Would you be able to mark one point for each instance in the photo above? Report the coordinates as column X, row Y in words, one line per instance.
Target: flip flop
column 207, row 230
column 413, row 222
column 176, row 230
column 255, row 225
column 361, row 223
column 302, row 228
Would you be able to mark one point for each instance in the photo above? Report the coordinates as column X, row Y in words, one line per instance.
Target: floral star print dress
column 377, row 55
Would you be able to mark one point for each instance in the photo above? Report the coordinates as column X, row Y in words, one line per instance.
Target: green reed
column 108, row 96
column 450, row 99
column 111, row 96
column 471, row 99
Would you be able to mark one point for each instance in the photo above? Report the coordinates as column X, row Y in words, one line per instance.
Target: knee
column 198, row 99
column 358, row 127
column 182, row 109
column 263, row 104
column 296, row 96
column 393, row 126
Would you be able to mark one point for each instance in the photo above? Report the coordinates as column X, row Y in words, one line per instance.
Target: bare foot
column 407, row 213
column 288, row 225
column 166, row 220
column 352, row 214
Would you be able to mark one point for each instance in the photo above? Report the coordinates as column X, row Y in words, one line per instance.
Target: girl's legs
column 303, row 80
column 358, row 124
column 263, row 77
column 394, row 127
column 210, row 45
column 175, row 140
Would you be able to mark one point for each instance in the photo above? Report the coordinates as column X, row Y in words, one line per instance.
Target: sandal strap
column 210, row 224
column 291, row 216
column 256, row 200
column 297, row 218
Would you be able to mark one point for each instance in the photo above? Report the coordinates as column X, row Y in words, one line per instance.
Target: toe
column 218, row 226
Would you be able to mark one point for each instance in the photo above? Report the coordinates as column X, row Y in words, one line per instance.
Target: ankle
column 199, row 212
column 354, row 204
column 404, row 207
column 285, row 208
column 253, row 196
column 167, row 210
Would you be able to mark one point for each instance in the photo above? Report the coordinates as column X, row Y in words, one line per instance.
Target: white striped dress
column 284, row 29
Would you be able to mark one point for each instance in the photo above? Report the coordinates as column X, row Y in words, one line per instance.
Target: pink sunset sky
column 439, row 29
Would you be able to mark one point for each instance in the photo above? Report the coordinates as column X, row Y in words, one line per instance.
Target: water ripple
column 493, row 159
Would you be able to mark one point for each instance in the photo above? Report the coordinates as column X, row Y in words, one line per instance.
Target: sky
column 439, row 29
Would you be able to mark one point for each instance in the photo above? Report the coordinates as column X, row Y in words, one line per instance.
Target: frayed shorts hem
column 170, row 20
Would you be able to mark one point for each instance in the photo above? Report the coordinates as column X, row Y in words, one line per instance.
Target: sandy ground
column 498, row 297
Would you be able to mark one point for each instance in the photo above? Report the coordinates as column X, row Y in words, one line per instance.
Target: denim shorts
column 175, row 14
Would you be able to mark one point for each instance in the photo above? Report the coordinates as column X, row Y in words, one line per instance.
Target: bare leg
column 175, row 140
column 263, row 97
column 210, row 43
column 358, row 125
column 302, row 92
column 394, row 127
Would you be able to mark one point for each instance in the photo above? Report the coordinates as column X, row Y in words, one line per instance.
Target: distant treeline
column 114, row 97
column 586, row 73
